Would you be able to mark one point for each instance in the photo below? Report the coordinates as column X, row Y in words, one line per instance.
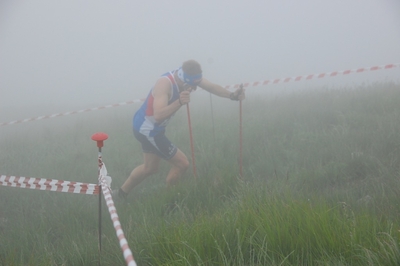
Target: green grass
column 320, row 185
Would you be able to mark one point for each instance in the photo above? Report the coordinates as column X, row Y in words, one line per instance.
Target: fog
column 89, row 53
column 58, row 56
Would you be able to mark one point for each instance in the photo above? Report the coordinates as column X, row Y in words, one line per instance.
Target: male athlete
column 171, row 92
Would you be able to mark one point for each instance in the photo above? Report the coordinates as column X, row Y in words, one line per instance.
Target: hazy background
column 81, row 54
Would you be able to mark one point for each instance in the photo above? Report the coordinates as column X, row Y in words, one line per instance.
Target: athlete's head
column 190, row 73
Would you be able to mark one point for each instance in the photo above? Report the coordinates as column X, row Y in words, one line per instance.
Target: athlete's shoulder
column 162, row 85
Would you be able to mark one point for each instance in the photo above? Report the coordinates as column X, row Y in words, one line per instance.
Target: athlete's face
column 183, row 86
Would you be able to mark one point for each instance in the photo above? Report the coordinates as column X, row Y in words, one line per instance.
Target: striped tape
column 70, row 113
column 234, row 86
column 117, row 225
column 49, row 184
column 313, row 76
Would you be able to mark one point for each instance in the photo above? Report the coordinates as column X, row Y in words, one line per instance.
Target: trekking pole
column 99, row 138
column 191, row 141
column 240, row 136
column 212, row 118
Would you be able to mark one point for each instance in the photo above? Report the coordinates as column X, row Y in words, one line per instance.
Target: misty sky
column 113, row 51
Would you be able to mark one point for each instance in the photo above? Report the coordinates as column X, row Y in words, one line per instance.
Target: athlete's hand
column 184, row 97
column 238, row 95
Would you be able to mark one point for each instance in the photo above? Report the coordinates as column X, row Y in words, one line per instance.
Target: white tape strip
column 49, row 184
column 117, row 225
column 312, row 76
column 234, row 86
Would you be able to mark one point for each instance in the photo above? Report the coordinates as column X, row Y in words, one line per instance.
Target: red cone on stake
column 99, row 137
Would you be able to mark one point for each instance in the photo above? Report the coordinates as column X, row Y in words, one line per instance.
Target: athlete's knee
column 180, row 161
column 183, row 164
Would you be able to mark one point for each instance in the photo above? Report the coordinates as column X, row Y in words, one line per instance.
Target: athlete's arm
column 161, row 94
column 219, row 90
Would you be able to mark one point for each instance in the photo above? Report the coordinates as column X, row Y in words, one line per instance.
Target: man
column 169, row 94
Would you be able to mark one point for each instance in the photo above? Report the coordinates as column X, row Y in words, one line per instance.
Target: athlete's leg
column 179, row 165
column 149, row 167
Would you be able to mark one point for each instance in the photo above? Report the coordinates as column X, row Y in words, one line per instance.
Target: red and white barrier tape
column 312, row 76
column 247, row 84
column 80, row 188
column 69, row 113
column 117, row 225
column 49, row 184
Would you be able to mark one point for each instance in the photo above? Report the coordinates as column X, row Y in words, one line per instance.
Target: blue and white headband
column 192, row 80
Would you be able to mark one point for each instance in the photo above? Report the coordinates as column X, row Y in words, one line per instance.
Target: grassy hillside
column 320, row 185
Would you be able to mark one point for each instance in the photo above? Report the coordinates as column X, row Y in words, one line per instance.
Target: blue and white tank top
column 143, row 120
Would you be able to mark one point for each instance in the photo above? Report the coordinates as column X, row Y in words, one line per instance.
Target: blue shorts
column 159, row 144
